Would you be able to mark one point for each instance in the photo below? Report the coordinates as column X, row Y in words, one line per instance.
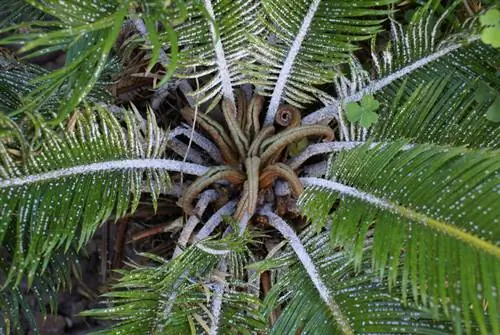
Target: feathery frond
column 174, row 296
column 212, row 44
column 361, row 296
column 15, row 305
column 444, row 111
column 87, row 33
column 432, row 208
column 304, row 41
column 419, row 53
column 18, row 81
column 88, row 174
column 16, row 11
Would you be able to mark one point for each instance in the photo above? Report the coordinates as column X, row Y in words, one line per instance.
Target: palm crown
column 384, row 195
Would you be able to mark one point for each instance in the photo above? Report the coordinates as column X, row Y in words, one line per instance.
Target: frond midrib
column 439, row 226
column 114, row 165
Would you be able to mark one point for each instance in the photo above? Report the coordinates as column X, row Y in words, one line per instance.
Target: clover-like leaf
column 368, row 118
column 483, row 93
column 354, row 111
column 490, row 18
column 490, row 21
column 491, row 35
column 364, row 111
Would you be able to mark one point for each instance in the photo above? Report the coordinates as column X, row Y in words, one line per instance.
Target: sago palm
column 336, row 163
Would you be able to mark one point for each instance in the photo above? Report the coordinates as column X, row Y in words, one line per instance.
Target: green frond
column 89, row 174
column 174, row 297
column 15, row 306
column 361, row 296
column 87, row 33
column 432, row 208
column 16, row 11
column 304, row 41
column 18, row 84
column 416, row 55
column 212, row 43
column 445, row 111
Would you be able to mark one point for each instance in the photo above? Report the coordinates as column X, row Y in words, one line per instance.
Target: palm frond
column 87, row 32
column 174, row 297
column 89, row 173
column 17, row 83
column 15, row 309
column 445, row 111
column 432, row 208
column 419, row 53
column 304, row 41
column 17, row 11
column 362, row 298
column 212, row 43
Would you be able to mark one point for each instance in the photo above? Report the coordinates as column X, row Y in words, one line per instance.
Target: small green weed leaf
column 491, row 35
column 368, row 118
column 490, row 21
column 354, row 111
column 364, row 111
column 493, row 113
column 490, row 18
column 369, row 103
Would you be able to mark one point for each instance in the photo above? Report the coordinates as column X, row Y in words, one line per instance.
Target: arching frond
column 361, row 297
column 444, row 111
column 17, row 82
column 64, row 192
column 304, row 41
column 17, row 11
column 213, row 42
column 86, row 31
column 418, row 53
column 432, row 208
column 15, row 309
column 174, row 297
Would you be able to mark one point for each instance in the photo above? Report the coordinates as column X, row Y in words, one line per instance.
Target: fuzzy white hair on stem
column 287, row 67
column 328, row 112
column 225, row 77
column 302, row 254
column 126, row 164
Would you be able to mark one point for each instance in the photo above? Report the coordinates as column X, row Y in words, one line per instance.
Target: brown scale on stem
column 253, row 154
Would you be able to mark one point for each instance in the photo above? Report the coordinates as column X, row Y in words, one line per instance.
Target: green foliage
column 490, row 21
column 18, row 84
column 402, row 232
column 211, row 43
column 443, row 111
column 364, row 112
column 363, row 299
column 16, row 11
column 35, row 191
column 323, row 34
column 45, row 288
column 440, row 197
column 87, row 32
column 493, row 113
column 174, row 297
